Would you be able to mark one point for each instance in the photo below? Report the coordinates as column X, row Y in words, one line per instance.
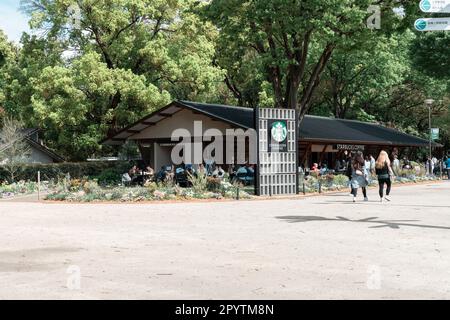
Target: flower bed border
column 252, row 197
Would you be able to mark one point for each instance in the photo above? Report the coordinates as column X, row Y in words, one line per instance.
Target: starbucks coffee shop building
column 279, row 146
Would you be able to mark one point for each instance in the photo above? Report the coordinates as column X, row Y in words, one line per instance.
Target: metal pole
column 429, row 102
column 39, row 185
column 429, row 128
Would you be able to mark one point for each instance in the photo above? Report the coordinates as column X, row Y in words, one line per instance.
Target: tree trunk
column 113, row 105
column 292, row 87
column 274, row 78
column 314, row 80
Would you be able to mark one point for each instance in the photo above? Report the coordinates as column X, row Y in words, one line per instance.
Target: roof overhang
column 55, row 157
column 154, row 118
column 360, row 142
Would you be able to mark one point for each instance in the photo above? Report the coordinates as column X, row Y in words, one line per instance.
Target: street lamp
column 429, row 103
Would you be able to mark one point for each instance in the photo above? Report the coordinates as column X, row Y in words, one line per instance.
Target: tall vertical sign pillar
column 277, row 151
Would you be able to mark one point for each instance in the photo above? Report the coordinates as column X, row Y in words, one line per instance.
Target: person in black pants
column 384, row 171
column 359, row 176
column 348, row 169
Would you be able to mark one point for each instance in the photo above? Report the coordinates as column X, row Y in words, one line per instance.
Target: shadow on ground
column 390, row 204
column 35, row 259
column 393, row 224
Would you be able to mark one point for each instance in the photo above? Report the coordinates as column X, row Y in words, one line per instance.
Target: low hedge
column 76, row 170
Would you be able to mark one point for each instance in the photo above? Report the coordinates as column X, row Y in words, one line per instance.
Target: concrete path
column 311, row 248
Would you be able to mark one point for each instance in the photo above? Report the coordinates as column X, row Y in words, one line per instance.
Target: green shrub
column 199, row 182
column 151, row 186
column 340, row 180
column 21, row 187
column 76, row 170
column 312, row 183
column 109, row 177
column 58, row 196
column 91, row 187
column 406, row 172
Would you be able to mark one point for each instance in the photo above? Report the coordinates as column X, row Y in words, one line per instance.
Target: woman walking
column 384, row 172
column 359, row 176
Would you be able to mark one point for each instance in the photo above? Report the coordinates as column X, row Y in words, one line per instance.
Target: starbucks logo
column 420, row 24
column 279, row 131
column 425, row 5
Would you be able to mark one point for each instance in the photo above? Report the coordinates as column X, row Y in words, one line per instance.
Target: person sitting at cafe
column 315, row 168
column 148, row 174
column 133, row 172
column 242, row 170
column 406, row 164
column 323, row 168
column 338, row 165
column 189, row 169
column 138, row 176
column 149, row 171
column 201, row 169
column 170, row 173
column 218, row 172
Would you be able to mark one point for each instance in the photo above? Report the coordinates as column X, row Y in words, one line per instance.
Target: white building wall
column 183, row 119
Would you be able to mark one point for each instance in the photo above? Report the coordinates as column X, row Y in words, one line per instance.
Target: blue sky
column 12, row 21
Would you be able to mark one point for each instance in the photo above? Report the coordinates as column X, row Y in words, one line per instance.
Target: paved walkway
column 317, row 247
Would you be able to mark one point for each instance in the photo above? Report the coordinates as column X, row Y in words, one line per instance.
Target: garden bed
column 326, row 183
column 21, row 188
column 90, row 191
column 204, row 188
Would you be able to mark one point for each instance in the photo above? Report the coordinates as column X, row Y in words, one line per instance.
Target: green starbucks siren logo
column 425, row 5
column 420, row 24
column 279, row 131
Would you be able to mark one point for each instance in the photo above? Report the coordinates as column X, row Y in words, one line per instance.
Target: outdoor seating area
column 180, row 175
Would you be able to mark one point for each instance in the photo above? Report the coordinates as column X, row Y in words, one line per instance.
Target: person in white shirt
column 434, row 164
column 372, row 164
column 396, row 165
column 367, row 162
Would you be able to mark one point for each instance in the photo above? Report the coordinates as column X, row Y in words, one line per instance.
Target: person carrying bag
column 359, row 176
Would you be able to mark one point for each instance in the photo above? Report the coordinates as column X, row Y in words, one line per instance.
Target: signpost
column 434, row 133
column 432, row 24
column 435, row 6
column 277, row 171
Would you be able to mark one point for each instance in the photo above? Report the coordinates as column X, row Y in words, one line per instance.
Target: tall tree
column 14, row 151
column 295, row 40
column 430, row 52
column 356, row 82
column 7, row 57
column 121, row 59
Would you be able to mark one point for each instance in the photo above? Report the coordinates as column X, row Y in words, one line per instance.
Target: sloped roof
column 314, row 128
column 243, row 117
column 26, row 136
column 311, row 128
